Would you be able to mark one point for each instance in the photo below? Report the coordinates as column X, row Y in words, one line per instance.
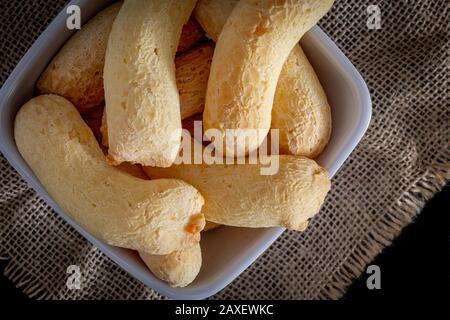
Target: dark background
column 414, row 267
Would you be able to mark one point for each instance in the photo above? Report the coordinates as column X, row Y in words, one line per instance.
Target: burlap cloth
column 402, row 161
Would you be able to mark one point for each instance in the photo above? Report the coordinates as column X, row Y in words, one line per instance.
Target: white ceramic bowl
column 226, row 251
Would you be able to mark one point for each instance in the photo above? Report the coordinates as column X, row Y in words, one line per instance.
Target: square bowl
column 227, row 251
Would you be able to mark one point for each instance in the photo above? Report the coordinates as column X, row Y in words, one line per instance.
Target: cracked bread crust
column 157, row 217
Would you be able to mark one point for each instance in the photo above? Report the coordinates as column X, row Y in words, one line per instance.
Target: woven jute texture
column 401, row 162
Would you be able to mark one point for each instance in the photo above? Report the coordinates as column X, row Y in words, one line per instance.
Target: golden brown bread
column 94, row 118
column 238, row 195
column 157, row 217
column 192, row 72
column 137, row 170
column 134, row 169
column 141, row 95
column 178, row 268
column 104, row 130
column 209, row 226
column 249, row 55
column 300, row 109
column 76, row 72
column 189, row 123
column 191, row 34
column 213, row 14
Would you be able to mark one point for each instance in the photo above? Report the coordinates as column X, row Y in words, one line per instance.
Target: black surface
column 417, row 263
column 415, row 266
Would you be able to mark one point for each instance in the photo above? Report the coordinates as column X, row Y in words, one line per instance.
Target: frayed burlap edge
column 24, row 281
column 389, row 226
